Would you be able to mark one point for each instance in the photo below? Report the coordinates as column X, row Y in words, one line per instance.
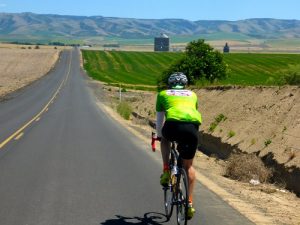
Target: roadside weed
column 218, row 119
column 124, row 109
column 231, row 134
column 267, row 142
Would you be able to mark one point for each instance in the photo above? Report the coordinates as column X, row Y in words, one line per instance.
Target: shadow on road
column 151, row 218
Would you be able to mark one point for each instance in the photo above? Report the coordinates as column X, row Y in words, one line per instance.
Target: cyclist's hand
column 158, row 138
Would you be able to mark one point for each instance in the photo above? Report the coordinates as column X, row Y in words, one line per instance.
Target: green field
column 286, row 43
column 211, row 37
column 143, row 68
column 134, row 68
column 257, row 69
column 174, row 39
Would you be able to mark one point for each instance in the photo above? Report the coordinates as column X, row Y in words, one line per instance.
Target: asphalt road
column 64, row 161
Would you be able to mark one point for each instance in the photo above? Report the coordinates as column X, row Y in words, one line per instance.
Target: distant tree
column 37, row 47
column 56, row 43
column 111, row 45
column 200, row 62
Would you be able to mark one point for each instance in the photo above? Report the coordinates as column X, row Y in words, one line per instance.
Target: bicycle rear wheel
column 168, row 201
column 182, row 197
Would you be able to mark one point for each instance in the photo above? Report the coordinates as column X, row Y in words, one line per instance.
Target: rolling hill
column 28, row 26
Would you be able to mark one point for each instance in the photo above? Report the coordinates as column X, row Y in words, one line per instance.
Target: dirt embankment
column 20, row 67
column 260, row 120
column 264, row 121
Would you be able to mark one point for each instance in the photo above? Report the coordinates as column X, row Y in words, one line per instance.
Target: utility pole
column 120, row 93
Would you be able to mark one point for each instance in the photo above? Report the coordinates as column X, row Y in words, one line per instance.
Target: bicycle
column 176, row 192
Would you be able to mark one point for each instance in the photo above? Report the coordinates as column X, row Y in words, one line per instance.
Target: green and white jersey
column 179, row 105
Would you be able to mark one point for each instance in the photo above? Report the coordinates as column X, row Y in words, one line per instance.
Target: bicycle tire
column 169, row 190
column 182, row 197
column 168, row 201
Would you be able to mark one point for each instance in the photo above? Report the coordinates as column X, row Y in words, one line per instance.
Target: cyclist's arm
column 160, row 116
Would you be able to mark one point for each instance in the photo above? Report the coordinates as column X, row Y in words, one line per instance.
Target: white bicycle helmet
column 177, row 80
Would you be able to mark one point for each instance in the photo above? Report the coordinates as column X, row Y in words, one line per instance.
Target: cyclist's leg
column 165, row 144
column 188, row 166
column 187, row 147
column 165, row 150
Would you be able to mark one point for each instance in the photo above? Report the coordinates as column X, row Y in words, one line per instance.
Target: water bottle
column 174, row 170
column 173, row 176
column 154, row 137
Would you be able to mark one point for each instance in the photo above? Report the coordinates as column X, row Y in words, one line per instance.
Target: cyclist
column 179, row 108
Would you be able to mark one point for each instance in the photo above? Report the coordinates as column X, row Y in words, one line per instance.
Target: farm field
column 133, row 68
column 19, row 67
column 257, row 69
column 143, row 68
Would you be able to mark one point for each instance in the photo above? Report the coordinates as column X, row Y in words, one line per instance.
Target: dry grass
column 14, row 46
column 244, row 167
column 19, row 67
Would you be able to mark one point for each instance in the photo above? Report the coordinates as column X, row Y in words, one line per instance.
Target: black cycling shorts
column 185, row 134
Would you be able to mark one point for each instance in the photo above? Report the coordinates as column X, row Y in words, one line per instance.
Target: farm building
column 162, row 43
column 226, row 48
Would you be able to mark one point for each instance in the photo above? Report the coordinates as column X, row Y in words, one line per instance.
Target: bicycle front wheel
column 182, row 198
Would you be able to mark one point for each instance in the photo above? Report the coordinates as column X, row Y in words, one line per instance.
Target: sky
column 161, row 9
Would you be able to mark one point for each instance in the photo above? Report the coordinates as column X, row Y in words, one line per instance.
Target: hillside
column 30, row 26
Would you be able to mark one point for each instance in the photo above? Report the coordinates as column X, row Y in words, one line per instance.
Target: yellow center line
column 19, row 136
column 37, row 119
column 18, row 132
